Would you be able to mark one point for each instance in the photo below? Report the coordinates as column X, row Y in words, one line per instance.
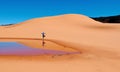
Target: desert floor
column 87, row 61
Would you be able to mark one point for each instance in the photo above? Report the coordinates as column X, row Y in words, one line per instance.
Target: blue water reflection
column 13, row 48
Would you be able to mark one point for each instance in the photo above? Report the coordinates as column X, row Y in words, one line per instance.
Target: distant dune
column 98, row 43
column 108, row 19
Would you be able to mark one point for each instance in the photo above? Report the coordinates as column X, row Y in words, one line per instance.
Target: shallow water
column 13, row 48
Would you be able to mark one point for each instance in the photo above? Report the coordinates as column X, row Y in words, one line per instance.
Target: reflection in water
column 12, row 48
column 43, row 44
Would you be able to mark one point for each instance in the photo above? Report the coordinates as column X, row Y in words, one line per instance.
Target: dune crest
column 65, row 17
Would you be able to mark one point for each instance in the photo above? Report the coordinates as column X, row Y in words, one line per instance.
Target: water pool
column 13, row 48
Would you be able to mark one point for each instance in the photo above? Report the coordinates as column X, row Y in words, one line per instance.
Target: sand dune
column 99, row 44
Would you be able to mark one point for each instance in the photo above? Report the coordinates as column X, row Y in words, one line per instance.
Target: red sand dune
column 99, row 44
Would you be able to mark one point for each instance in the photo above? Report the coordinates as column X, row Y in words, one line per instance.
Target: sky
column 15, row 11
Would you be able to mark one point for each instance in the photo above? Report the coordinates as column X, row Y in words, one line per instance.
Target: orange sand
column 99, row 44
